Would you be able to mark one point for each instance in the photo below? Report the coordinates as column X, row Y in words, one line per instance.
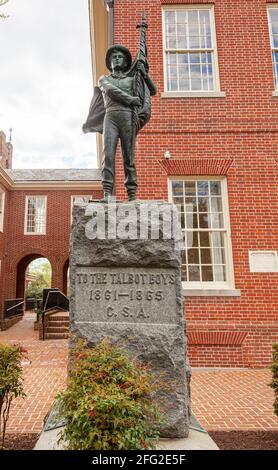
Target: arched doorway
column 33, row 275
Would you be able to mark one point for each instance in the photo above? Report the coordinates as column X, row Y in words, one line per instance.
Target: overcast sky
column 46, row 83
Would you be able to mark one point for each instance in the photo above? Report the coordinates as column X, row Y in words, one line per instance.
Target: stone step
column 58, row 323
column 60, row 318
column 57, row 329
column 56, row 336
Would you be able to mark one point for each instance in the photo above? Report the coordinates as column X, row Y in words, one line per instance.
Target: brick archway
column 21, row 272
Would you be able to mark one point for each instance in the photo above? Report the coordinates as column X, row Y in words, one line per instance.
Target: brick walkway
column 222, row 399
column 44, row 376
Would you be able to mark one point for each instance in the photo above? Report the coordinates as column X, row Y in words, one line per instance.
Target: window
column 273, row 29
column 190, row 49
column 35, row 215
column 2, row 203
column 203, row 210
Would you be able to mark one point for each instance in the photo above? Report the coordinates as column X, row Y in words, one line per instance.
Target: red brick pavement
column 44, row 376
column 233, row 399
column 222, row 399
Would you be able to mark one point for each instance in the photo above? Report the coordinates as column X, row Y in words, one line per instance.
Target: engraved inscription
column 125, row 295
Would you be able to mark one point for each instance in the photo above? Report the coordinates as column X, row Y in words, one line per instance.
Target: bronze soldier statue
column 121, row 106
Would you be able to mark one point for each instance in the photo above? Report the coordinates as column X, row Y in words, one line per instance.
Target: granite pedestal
column 125, row 264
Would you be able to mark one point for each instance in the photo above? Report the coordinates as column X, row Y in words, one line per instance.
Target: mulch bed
column 20, row 441
column 226, row 440
column 245, row 440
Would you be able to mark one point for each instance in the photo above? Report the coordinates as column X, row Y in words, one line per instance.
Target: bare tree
column 2, row 2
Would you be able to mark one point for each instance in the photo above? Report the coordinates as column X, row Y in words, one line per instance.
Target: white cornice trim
column 61, row 185
column 7, row 181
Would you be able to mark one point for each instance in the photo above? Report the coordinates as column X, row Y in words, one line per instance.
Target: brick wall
column 241, row 127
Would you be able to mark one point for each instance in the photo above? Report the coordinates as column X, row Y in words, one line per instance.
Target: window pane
column 217, row 221
column 193, row 256
column 203, row 204
column 170, row 17
column 191, row 220
column 182, row 219
column 215, row 188
column 207, row 273
column 192, row 239
column 206, row 256
column 218, row 256
column 202, row 188
column 219, row 273
column 179, row 202
column 171, row 42
column 194, row 273
column 173, row 84
column 217, row 239
column 204, row 239
column 190, row 188
column 203, row 221
column 171, row 58
column 191, row 204
column 216, row 204
column 177, row 188
column 181, row 16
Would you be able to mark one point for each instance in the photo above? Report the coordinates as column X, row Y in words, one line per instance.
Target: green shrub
column 107, row 403
column 38, row 313
column 11, row 382
column 274, row 383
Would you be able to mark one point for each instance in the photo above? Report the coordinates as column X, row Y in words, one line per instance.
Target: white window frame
column 272, row 7
column 229, row 284
column 194, row 93
column 77, row 195
column 2, row 210
column 26, row 213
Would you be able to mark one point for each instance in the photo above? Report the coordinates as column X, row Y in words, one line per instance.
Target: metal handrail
column 14, row 306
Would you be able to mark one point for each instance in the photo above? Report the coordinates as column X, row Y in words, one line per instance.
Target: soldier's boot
column 131, row 194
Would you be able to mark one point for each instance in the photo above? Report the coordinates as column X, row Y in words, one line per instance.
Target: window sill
column 275, row 93
column 187, row 292
column 194, row 94
column 34, row 233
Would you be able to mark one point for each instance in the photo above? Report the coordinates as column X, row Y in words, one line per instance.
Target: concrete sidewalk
column 222, row 399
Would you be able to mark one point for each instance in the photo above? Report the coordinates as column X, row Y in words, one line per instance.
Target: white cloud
column 46, row 83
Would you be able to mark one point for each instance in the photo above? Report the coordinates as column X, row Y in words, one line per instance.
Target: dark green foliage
column 107, row 402
column 11, row 382
column 35, row 288
column 274, row 383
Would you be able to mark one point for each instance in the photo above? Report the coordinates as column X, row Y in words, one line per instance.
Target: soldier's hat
column 124, row 50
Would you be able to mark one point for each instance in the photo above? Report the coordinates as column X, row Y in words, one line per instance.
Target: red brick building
column 215, row 116
column 35, row 221
column 211, row 147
